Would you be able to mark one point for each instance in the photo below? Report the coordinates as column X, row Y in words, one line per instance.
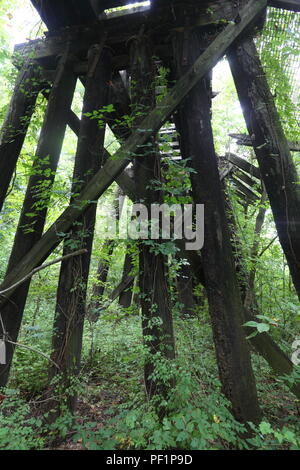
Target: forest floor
column 96, row 411
column 111, row 399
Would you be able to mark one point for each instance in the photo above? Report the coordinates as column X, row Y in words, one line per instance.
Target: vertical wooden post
column 271, row 148
column 71, row 293
column 225, row 305
column 121, row 101
column 263, row 343
column 157, row 321
column 16, row 123
column 33, row 216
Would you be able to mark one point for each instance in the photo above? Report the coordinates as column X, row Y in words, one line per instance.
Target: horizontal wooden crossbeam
column 246, row 178
column 244, row 139
column 61, row 13
column 293, row 5
column 119, row 30
column 249, row 193
column 243, row 165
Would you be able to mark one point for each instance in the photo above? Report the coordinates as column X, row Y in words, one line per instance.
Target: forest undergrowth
column 112, row 412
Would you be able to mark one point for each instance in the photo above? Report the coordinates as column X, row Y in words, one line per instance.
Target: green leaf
column 179, row 424
column 251, row 323
column 263, row 327
column 265, row 428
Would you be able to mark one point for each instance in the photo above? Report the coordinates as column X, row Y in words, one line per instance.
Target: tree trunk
column 276, row 165
column 225, row 305
column 33, row 216
column 16, row 123
column 71, row 293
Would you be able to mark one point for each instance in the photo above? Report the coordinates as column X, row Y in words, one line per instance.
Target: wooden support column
column 157, row 320
column 33, row 215
column 124, row 180
column 263, row 343
column 276, row 165
column 114, row 166
column 71, row 293
column 225, row 305
column 16, row 123
column 121, row 101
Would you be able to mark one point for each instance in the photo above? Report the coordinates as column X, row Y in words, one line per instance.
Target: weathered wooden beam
column 121, row 61
column 45, row 50
column 156, row 314
column 250, row 195
column 125, row 182
column 243, row 164
column 279, row 362
column 253, row 183
column 16, row 123
column 73, row 278
column 34, row 211
column 125, row 287
column 59, row 13
column 119, row 97
column 276, row 165
column 122, row 107
column 293, row 5
column 244, row 139
column 242, row 199
column 150, row 125
column 119, row 29
column 263, row 343
column 225, row 303
column 226, row 172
